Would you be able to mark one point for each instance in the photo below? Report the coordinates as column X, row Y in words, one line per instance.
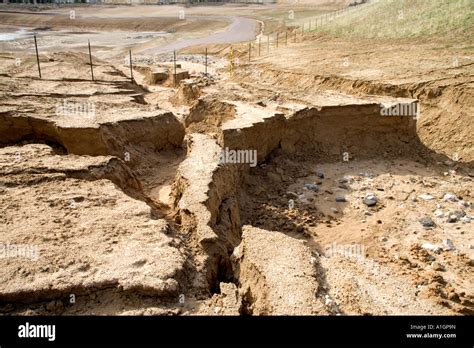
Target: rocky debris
column 438, row 213
column 341, row 199
column 448, row 245
column 437, row 266
column 431, row 247
column 452, row 218
column 312, row 187
column 346, row 179
column 427, row 222
column 370, row 200
column 319, row 174
column 426, row 197
column 227, row 302
column 450, row 197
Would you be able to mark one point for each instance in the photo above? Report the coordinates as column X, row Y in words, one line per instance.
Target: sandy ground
column 128, row 208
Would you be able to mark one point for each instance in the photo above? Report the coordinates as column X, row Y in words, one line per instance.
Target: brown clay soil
column 126, row 207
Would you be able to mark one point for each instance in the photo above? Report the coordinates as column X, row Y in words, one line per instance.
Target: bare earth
column 124, row 207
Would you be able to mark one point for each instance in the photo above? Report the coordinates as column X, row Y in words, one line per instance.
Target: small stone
column 448, row 244
column 452, row 218
column 383, row 239
column 334, row 210
column 428, row 246
column 320, row 174
column 426, row 197
column 438, row 213
column 449, row 163
column 427, row 222
column 370, row 200
column 437, row 267
column 312, row 187
column 450, row 197
column 341, row 199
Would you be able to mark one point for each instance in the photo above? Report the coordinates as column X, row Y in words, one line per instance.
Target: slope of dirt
column 440, row 79
column 93, row 236
column 134, row 206
column 276, row 274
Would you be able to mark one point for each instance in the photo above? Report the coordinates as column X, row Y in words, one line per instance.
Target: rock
column 383, row 239
column 334, row 210
column 312, row 187
column 341, row 199
column 459, row 213
column 370, row 200
column 344, row 180
column 320, row 174
column 427, row 222
column 437, row 267
column 450, row 197
column 343, row 186
column 465, row 220
column 449, row 163
column 452, row 218
column 448, row 245
column 431, row 247
column 438, row 213
column 426, row 197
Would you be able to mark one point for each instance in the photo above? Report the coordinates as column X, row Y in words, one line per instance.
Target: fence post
column 131, row 67
column 37, row 57
column 90, row 59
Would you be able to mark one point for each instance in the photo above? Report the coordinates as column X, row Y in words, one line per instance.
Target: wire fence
column 253, row 49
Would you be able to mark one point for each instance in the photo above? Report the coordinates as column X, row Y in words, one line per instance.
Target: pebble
column 437, row 267
column 438, row 213
column 320, row 174
column 452, row 218
column 370, row 200
column 450, row 197
column 341, row 199
column 427, row 222
column 426, row 197
column 428, row 246
column 312, row 187
column 448, row 244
